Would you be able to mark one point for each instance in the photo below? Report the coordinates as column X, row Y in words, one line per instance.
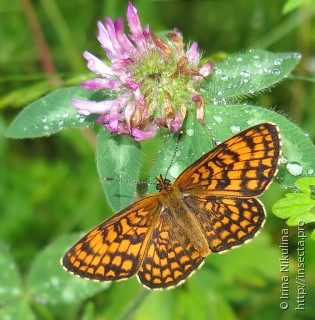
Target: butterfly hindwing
column 171, row 258
column 227, row 222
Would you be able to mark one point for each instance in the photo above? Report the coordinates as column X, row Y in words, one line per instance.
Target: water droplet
column 294, row 168
column 219, row 101
column 44, row 120
column 81, row 119
column 267, row 70
column 217, row 119
column 220, row 93
column 46, row 127
column 283, row 160
column 175, row 170
column 235, row 129
column 278, row 62
column 60, row 122
column 250, row 122
column 256, row 56
column 218, row 71
column 190, row 132
column 239, row 59
column 224, row 78
column 297, row 56
column 276, row 72
column 66, row 115
column 310, row 171
column 245, row 73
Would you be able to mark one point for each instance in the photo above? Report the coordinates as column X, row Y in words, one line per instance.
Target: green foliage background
column 50, row 188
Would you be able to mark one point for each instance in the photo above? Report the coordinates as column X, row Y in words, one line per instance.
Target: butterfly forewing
column 115, row 249
column 242, row 166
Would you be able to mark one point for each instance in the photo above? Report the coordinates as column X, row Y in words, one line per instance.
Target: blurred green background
column 49, row 187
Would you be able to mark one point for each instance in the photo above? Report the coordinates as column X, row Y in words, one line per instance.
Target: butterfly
column 210, row 207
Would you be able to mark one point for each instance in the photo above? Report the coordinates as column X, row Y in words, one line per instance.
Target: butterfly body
column 210, row 207
column 172, row 203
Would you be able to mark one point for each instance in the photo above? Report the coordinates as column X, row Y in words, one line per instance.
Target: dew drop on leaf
column 278, row 62
column 294, row 168
column 235, row 129
column 267, row 70
column 245, row 74
column 276, row 72
column 217, row 119
column 175, row 170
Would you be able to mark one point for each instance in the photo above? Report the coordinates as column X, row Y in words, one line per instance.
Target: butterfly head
column 162, row 183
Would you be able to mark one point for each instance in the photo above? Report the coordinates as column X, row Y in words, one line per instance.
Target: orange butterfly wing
column 242, row 166
column 171, row 258
column 114, row 250
column 227, row 222
column 219, row 187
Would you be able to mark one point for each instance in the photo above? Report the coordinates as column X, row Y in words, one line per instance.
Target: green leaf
column 305, row 184
column 226, row 121
column 188, row 302
column 195, row 142
column 235, row 267
column 297, row 207
column 297, row 149
column 10, row 281
column 118, row 156
column 48, row 282
column 50, row 114
column 17, row 310
column 291, row 5
column 246, row 74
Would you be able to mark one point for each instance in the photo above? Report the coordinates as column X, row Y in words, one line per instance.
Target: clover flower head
column 151, row 82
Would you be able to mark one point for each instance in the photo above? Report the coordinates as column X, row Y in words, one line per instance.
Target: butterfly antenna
column 211, row 136
column 129, row 181
column 175, row 151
